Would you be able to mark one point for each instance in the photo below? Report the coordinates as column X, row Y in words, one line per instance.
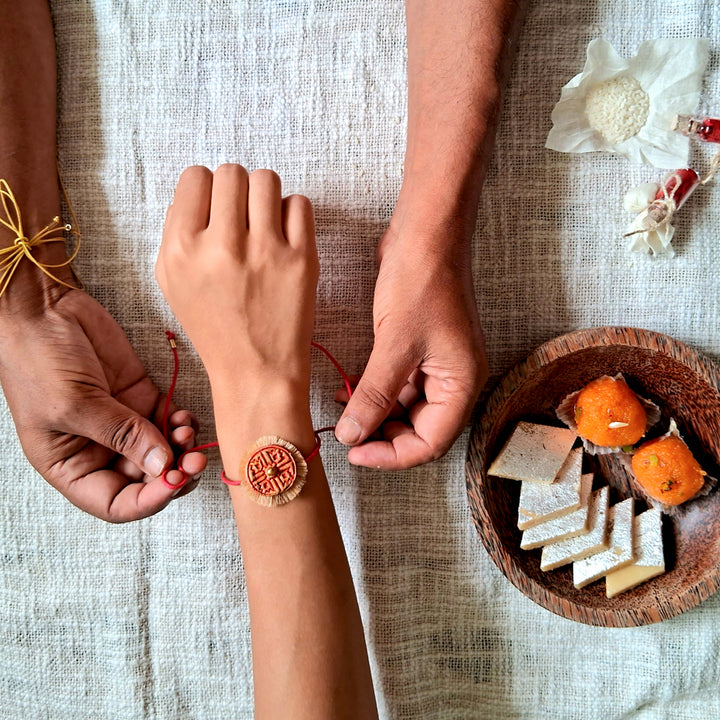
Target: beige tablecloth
column 149, row 620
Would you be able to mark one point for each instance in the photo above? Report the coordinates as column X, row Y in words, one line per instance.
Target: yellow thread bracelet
column 11, row 257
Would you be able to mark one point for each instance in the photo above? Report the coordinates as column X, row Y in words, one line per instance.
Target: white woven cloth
column 149, row 620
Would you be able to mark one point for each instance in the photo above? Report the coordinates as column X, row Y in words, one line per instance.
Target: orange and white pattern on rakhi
column 271, row 470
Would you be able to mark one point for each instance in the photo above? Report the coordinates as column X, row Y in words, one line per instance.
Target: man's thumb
column 373, row 398
column 117, row 427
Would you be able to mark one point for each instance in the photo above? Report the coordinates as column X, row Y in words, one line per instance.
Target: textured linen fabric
column 149, row 620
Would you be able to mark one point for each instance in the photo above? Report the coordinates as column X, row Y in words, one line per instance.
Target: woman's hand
column 239, row 268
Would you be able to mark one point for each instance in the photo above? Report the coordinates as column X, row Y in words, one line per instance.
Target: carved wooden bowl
column 686, row 386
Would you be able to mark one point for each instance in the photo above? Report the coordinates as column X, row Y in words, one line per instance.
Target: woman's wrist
column 251, row 408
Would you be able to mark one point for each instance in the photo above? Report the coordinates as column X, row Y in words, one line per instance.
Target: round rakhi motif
column 271, row 470
column 274, row 471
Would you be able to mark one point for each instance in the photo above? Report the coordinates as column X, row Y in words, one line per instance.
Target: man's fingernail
column 347, row 431
column 155, row 461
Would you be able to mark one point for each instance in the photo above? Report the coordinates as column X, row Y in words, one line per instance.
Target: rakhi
column 274, row 469
column 13, row 255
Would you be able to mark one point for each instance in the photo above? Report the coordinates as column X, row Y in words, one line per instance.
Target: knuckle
column 302, row 202
column 122, row 434
column 194, row 174
column 373, row 396
column 231, row 171
column 300, row 205
column 265, row 177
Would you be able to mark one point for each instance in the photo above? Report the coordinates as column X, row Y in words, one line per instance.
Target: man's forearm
column 424, row 313
column 27, row 143
column 27, row 112
column 458, row 57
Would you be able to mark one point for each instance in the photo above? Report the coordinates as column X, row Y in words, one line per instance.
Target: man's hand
column 81, row 401
column 428, row 348
column 428, row 356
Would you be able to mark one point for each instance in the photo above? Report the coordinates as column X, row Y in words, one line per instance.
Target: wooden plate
column 686, row 385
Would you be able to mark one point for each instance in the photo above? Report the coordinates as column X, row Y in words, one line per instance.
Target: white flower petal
column 672, row 66
column 573, row 139
column 669, row 70
column 653, row 242
column 639, row 198
column 662, row 148
column 603, row 62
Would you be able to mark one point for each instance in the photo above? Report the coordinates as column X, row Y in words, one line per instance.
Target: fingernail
column 155, row 461
column 347, row 431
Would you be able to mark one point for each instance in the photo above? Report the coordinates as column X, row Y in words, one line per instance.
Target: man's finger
column 125, row 432
column 435, row 427
column 106, row 494
column 406, row 450
column 375, row 395
column 183, row 417
column 409, row 395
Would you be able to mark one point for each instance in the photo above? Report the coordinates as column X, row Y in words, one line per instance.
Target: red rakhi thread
column 168, row 400
column 166, row 411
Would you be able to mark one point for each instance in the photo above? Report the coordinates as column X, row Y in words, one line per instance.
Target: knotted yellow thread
column 12, row 256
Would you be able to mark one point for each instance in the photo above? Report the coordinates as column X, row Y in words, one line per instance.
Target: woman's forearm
column 309, row 656
column 238, row 265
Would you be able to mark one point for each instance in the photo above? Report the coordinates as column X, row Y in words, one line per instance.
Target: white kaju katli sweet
column 540, row 502
column 628, row 107
column 649, row 556
column 565, row 526
column 533, row 452
column 620, row 552
column 582, row 546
